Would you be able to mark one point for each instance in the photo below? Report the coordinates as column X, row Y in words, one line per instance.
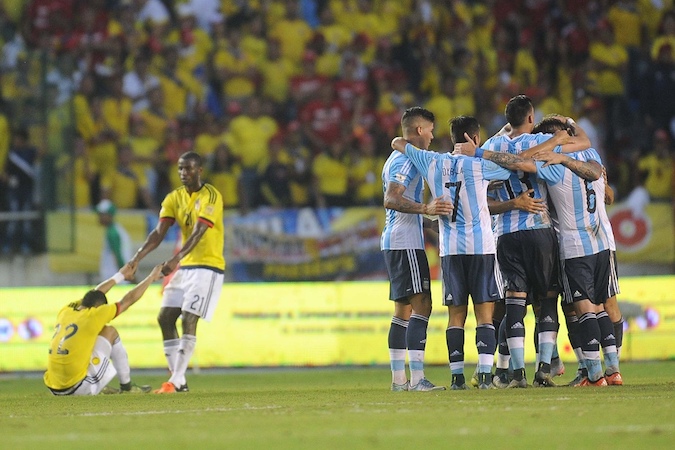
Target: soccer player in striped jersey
column 587, row 240
column 194, row 290
column 402, row 245
column 526, row 250
column 467, row 244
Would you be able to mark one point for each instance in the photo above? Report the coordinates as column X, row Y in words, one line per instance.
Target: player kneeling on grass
column 83, row 346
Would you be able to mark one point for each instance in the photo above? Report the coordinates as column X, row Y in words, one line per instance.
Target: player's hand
column 550, row 158
column 398, row 143
column 156, row 273
column 440, row 206
column 169, row 266
column 563, row 137
column 467, row 148
column 128, row 270
column 525, row 202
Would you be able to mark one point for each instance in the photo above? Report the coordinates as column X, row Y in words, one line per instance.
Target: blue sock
column 454, row 338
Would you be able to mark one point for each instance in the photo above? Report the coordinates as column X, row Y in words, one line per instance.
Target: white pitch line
column 147, row 413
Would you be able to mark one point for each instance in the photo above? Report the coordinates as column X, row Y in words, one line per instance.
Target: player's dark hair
column 550, row 125
column 94, row 298
column 463, row 124
column 517, row 110
column 410, row 114
column 192, row 156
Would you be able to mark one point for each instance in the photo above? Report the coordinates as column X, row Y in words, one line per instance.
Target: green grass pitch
column 343, row 408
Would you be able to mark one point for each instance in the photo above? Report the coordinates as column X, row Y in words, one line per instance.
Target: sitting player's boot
column 133, row 388
column 425, row 385
column 166, row 388
column 458, row 383
column 108, row 390
column 400, row 387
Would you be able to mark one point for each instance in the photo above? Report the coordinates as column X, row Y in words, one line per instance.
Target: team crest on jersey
column 208, row 209
column 197, row 205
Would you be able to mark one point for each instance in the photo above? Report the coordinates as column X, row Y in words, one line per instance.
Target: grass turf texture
column 340, row 408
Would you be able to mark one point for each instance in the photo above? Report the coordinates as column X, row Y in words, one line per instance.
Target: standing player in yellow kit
column 194, row 290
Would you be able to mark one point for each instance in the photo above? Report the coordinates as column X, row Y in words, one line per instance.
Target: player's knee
column 109, row 333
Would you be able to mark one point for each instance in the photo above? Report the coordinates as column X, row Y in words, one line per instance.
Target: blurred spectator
column 235, row 69
column 146, row 152
column 138, row 82
column 209, row 138
column 323, row 119
column 292, row 32
column 306, row 84
column 21, row 173
column 666, row 34
column 365, row 172
column 117, row 248
column 248, row 137
column 116, row 109
column 592, row 122
column 608, row 64
column 300, row 159
column 182, row 90
column 155, row 116
column 657, row 167
column 76, row 173
column 276, row 173
column 330, row 172
column 223, row 171
column 124, row 187
column 166, row 166
column 659, row 89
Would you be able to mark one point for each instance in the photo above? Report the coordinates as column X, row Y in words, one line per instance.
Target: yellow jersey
column 73, row 343
column 205, row 205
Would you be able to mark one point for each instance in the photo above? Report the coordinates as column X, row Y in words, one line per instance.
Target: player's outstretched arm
column 588, row 170
column 153, row 240
column 394, row 199
column 137, row 292
column 190, row 243
column 559, row 138
column 127, row 272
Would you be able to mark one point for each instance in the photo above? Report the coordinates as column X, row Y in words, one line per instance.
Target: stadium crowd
column 294, row 102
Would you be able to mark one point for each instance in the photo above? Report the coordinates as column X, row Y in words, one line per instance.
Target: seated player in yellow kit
column 85, row 353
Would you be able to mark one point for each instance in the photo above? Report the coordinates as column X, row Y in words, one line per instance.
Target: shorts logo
column 481, row 344
column 547, row 319
column 95, row 361
column 400, row 177
column 449, row 297
column 593, row 342
column 577, row 294
column 517, row 325
column 456, row 353
column 609, row 337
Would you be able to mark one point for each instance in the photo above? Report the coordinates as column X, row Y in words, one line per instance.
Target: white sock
column 120, row 360
column 171, row 347
column 187, row 348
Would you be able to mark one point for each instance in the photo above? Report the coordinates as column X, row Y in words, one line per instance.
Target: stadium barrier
column 304, row 324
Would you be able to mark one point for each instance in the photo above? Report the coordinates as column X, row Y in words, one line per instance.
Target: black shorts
column 528, row 261
column 587, row 278
column 613, row 276
column 408, row 273
column 475, row 275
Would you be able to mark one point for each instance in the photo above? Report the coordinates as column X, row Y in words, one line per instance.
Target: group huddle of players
column 533, row 196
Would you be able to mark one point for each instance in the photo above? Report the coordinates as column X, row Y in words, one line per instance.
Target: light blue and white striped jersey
column 401, row 230
column 519, row 182
column 583, row 225
column 464, row 180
